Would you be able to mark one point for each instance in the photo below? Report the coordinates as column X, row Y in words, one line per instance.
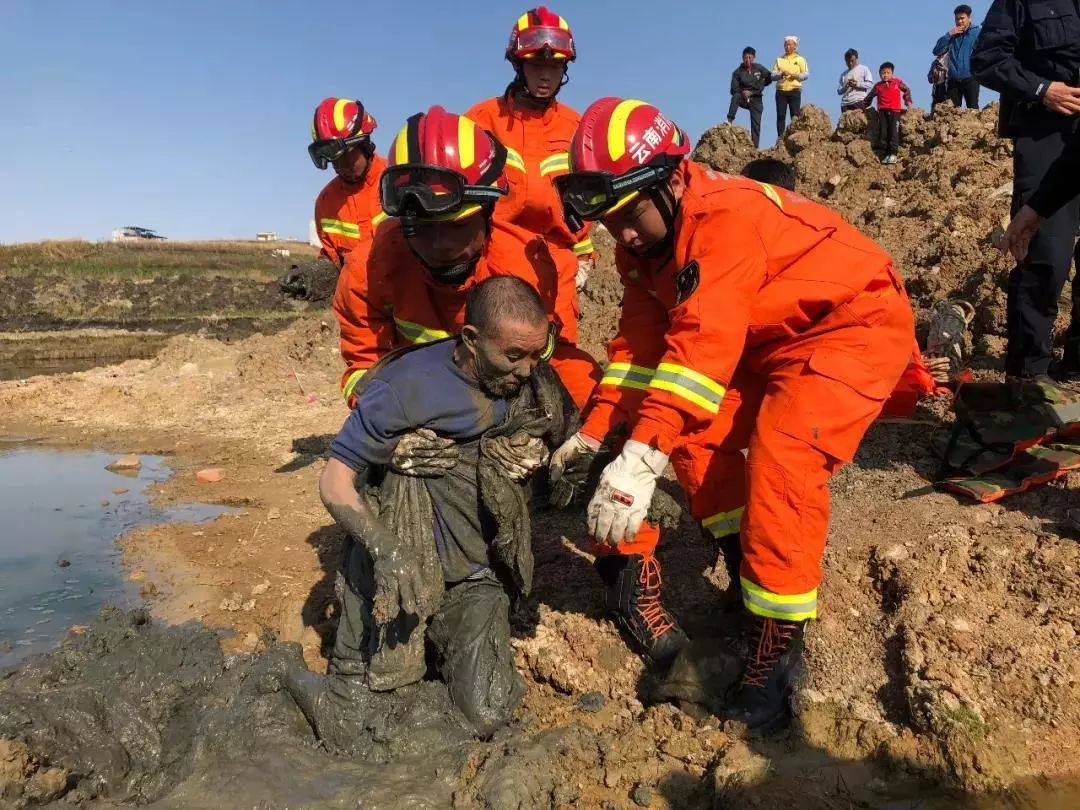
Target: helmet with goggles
column 338, row 125
column 541, row 32
column 621, row 148
column 443, row 166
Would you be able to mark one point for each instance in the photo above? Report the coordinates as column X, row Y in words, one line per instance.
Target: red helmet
column 621, row 147
column 443, row 166
column 540, row 31
column 339, row 123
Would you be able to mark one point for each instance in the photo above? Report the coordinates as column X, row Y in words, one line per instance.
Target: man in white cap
column 789, row 72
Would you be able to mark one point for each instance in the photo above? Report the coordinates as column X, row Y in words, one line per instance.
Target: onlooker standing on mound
column 1030, row 53
column 892, row 97
column 748, row 83
column 855, row 83
column 962, row 85
column 789, row 72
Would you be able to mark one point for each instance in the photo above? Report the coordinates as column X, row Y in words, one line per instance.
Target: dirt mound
column 937, row 211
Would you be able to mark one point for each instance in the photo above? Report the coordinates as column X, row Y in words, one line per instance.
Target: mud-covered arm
column 397, row 581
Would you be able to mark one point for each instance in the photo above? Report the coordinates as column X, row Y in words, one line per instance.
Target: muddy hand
column 519, row 455
column 397, row 586
column 422, row 454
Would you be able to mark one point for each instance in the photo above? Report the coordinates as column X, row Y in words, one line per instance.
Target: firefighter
column 752, row 318
column 536, row 129
column 444, row 178
column 347, row 209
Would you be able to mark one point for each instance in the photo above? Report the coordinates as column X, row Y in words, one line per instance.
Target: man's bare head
column 505, row 334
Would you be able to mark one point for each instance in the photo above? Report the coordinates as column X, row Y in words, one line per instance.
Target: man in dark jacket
column 748, row 82
column 1029, row 51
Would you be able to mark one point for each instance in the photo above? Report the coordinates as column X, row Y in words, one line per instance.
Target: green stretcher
column 1009, row 437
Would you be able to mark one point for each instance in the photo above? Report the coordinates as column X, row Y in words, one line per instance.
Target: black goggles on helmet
column 589, row 195
column 326, row 151
column 423, row 190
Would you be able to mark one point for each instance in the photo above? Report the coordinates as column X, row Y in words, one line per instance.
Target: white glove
column 584, row 267
column 568, row 451
column 624, row 493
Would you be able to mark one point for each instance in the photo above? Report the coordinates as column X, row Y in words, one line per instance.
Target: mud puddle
column 59, row 563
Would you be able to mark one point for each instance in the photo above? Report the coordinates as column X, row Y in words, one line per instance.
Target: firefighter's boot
column 633, row 597
column 763, row 702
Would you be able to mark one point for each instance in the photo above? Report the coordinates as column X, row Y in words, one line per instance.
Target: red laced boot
column 633, row 598
column 763, row 701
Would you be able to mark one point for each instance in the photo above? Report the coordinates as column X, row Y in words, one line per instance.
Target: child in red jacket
column 892, row 96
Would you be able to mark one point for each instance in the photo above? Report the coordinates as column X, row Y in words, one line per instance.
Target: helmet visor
column 590, row 195
column 429, row 191
column 534, row 40
column 325, row 151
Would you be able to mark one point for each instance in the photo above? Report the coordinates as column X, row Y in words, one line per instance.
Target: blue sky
column 193, row 117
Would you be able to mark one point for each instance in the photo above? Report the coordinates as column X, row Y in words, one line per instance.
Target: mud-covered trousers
column 469, row 634
column 1036, row 285
column 801, row 407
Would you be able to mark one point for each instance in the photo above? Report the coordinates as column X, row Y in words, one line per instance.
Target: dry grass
column 150, row 258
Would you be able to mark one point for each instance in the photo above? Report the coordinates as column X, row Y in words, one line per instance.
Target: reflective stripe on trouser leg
column 795, row 607
column 644, row 543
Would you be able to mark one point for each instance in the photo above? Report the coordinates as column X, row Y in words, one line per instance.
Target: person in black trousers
column 1029, row 51
column 748, row 83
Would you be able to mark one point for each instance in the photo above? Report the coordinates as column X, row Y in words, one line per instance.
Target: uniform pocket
column 1054, row 24
column 834, row 401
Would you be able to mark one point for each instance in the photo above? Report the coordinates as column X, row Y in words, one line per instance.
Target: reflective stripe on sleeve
column 723, row 524
column 513, row 160
column 558, row 162
column 627, row 375
column 336, row 226
column 583, row 247
column 690, row 385
column 785, row 607
column 418, row 333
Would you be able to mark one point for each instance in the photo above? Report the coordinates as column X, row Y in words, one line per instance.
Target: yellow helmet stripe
column 523, row 22
column 563, row 24
column 401, row 146
column 466, row 136
column 616, row 133
column 339, row 113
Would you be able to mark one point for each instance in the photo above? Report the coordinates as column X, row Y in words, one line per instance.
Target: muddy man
column 439, row 535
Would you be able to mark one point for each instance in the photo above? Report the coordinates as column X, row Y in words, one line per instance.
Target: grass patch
column 967, row 723
column 151, row 258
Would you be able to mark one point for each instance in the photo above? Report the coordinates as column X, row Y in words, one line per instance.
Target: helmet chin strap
column 520, row 87
column 370, row 152
column 665, row 202
column 452, row 275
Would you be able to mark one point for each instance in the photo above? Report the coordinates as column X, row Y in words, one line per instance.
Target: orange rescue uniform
column 537, row 142
column 346, row 216
column 399, row 304
column 777, row 327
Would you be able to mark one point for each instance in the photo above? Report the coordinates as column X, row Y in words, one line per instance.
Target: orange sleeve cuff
column 602, row 417
column 660, row 428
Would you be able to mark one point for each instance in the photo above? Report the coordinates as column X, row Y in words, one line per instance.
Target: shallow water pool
column 61, row 513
